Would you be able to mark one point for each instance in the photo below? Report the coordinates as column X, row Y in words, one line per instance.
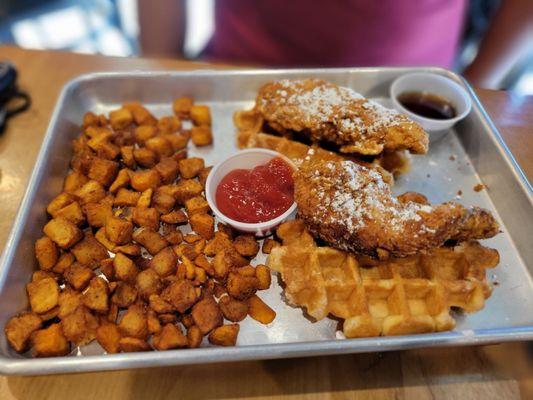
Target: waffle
column 398, row 296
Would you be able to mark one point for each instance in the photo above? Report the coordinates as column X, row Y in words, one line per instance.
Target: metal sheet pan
column 479, row 154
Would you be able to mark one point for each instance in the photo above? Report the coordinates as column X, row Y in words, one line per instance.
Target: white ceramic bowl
column 436, row 84
column 245, row 159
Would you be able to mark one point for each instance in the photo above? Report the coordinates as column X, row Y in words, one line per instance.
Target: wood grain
column 489, row 372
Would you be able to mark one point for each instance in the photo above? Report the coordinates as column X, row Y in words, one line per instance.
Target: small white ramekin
column 245, row 159
column 436, row 84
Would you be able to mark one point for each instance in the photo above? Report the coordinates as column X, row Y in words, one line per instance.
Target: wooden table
column 490, row 372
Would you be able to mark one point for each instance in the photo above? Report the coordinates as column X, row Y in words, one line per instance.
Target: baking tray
column 473, row 152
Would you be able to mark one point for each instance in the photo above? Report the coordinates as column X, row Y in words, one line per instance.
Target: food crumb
column 479, row 187
column 459, row 193
column 452, row 157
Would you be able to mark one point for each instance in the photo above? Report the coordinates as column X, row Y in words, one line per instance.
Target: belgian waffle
column 397, row 296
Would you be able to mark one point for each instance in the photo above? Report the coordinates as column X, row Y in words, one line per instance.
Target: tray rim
column 70, row 364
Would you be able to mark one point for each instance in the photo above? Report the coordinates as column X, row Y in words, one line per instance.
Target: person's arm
column 510, row 37
column 162, row 27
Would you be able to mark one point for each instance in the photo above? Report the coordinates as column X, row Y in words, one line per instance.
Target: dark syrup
column 427, row 105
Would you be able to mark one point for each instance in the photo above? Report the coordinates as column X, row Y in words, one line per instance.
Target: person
column 343, row 33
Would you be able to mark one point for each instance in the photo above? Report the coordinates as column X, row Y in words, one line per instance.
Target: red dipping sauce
column 256, row 195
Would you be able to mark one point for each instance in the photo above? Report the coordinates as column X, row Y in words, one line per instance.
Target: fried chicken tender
column 351, row 208
column 324, row 111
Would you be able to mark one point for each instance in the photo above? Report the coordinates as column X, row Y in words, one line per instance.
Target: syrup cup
column 245, row 159
column 436, row 84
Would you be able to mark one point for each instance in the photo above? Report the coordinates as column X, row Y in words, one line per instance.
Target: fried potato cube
column 108, row 336
column 170, row 337
column 91, row 192
column 104, row 241
column 174, row 217
column 72, row 213
column 194, row 337
column 164, row 262
column 262, row 272
column 200, row 115
column 201, row 135
column 178, row 142
column 159, row 305
column 97, row 213
column 168, row 125
column 141, row 115
column 150, row 240
column 145, row 179
column 246, row 245
column 182, row 106
column 168, row 169
column 78, row 276
column 50, row 342
column 69, row 300
column 203, row 174
column 148, row 283
column 202, row 262
column 148, row 217
column 145, row 157
column 121, row 181
column 203, row 224
column 187, row 320
column 146, row 198
column 260, row 311
column 196, row 205
column 129, row 345
column 38, row 275
column 192, row 238
column 181, row 295
column 126, row 152
column 162, row 201
column 220, row 242
column 144, row 132
column 43, row 295
column 65, row 260
column 241, row 287
column 134, row 323
column 125, row 269
column 74, row 181
column 131, row 249
column 185, row 250
column 118, row 230
column 96, row 297
column 19, row 329
column 90, row 119
column 103, row 171
column 89, row 252
column 207, row 315
column 186, row 189
column 63, row 232
column 79, row 326
column 233, row 310
column 60, row 201
column 190, row 167
column 120, row 119
column 226, row 260
column 124, row 295
column 126, row 198
column 225, row 335
column 160, row 145
column 46, row 253
column 269, row 244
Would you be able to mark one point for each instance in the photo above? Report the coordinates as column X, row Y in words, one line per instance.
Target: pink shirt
column 337, row 32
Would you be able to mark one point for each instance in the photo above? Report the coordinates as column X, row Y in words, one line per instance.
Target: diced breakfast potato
column 46, row 253
column 200, row 115
column 203, row 225
column 190, row 167
column 50, row 342
column 260, row 311
column 225, row 335
column 182, row 107
column 201, row 135
column 170, row 337
column 63, row 232
column 20, row 328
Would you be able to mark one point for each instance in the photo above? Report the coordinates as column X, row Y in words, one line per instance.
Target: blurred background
column 131, row 27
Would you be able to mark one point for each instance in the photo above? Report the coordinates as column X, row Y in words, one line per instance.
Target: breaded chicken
column 350, row 208
column 324, row 111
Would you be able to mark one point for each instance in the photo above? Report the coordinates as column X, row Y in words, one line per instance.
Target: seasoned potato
column 50, row 342
column 97, row 213
column 159, row 305
column 148, row 283
column 124, row 295
column 103, row 171
column 197, row 205
column 190, row 167
column 144, row 132
column 241, row 287
column 145, row 179
column 203, row 174
column 220, row 242
column 72, row 213
column 219, row 290
column 260, row 311
column 162, row 201
column 121, row 181
column 269, row 244
column 150, row 240
column 131, row 249
column 134, row 323
column 43, row 295
column 168, row 169
column 164, row 262
column 232, row 309
column 125, row 269
column 160, row 145
column 126, row 152
column 89, row 252
column 79, row 326
column 227, row 259
column 246, row 245
column 192, row 238
column 186, row 189
column 187, row 320
column 145, row 157
column 20, row 328
column 182, row 107
column 74, row 181
column 145, row 199
column 96, row 297
column 148, row 217
column 181, row 295
column 120, row 119
column 129, row 345
column 170, row 337
column 108, row 336
column 262, row 272
column 174, row 217
column 78, row 276
column 168, row 125
column 200, row 115
column 207, row 315
column 154, row 325
column 65, row 260
column 141, row 115
column 63, row 232
column 46, row 253
column 126, row 197
column 178, row 142
column 201, row 135
column 194, row 337
column 225, row 335
column 203, row 224
column 101, row 236
column 118, row 230
column 69, row 300
column 91, row 192
column 60, row 201
column 185, row 250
